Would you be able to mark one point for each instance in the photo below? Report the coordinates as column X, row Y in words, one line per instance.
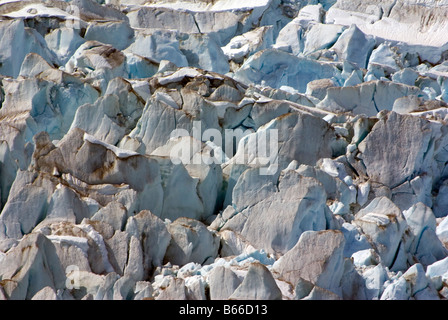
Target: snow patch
column 120, row 153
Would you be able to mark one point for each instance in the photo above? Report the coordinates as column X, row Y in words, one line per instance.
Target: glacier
column 215, row 150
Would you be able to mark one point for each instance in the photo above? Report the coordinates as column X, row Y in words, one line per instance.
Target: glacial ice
column 274, row 149
column 276, row 68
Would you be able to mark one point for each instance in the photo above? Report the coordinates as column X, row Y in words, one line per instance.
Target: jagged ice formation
column 129, row 166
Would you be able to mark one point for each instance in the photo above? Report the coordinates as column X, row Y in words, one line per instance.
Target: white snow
column 228, row 5
column 179, row 75
column 142, row 88
column 242, row 45
column 96, row 236
column 403, row 32
column 8, row 1
column 39, row 10
column 438, row 269
column 377, row 218
column 120, row 153
column 80, row 242
column 389, row 28
column 167, row 99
